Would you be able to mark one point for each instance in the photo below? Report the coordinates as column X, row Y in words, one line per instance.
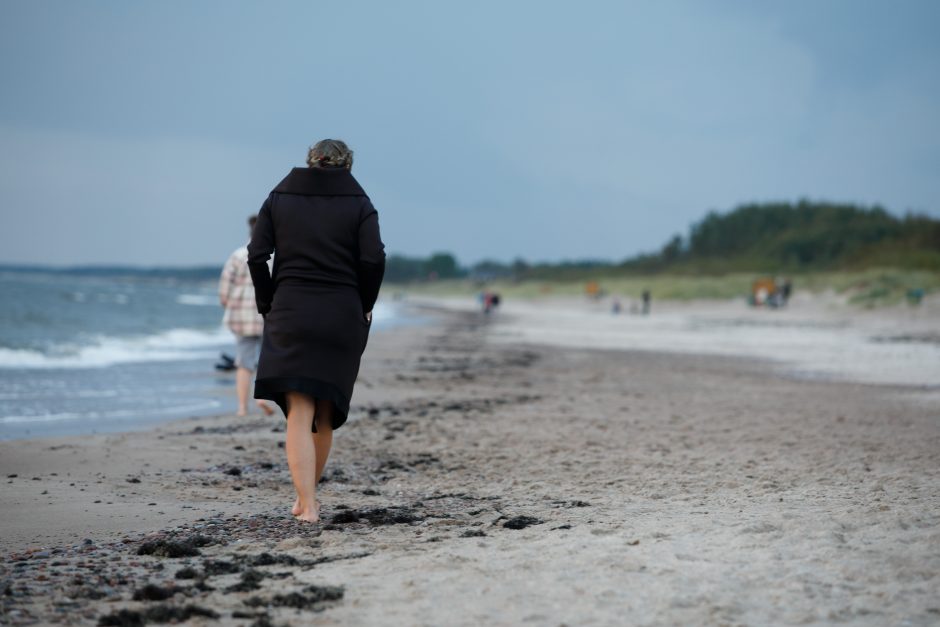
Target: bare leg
column 242, row 386
column 322, row 441
column 301, row 454
column 323, row 438
column 268, row 411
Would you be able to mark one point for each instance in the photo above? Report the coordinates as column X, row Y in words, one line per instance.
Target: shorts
column 247, row 351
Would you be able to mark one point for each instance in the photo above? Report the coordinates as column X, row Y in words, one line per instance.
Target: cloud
column 547, row 130
column 74, row 198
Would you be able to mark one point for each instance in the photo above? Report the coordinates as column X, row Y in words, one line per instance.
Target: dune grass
column 868, row 288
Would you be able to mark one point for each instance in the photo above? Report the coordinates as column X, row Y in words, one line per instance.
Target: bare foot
column 241, row 412
column 297, row 509
column 265, row 408
column 311, row 514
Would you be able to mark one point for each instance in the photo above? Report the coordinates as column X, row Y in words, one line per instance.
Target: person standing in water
column 237, row 296
column 329, row 261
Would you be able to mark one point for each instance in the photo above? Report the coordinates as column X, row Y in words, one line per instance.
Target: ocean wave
column 383, row 312
column 171, row 345
column 183, row 409
column 199, row 300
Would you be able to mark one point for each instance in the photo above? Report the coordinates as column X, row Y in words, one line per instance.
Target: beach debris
column 153, row 592
column 122, row 618
column 133, row 480
column 268, row 559
column 174, row 548
column 376, row 516
column 87, row 592
column 415, row 462
column 155, row 614
column 235, row 471
column 219, row 567
column 251, row 580
column 310, row 598
column 244, row 614
column 168, row 548
column 262, row 619
column 473, row 533
column 334, row 474
column 521, row 522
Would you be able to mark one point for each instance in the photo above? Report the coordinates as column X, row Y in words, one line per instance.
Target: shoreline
column 212, row 395
column 520, row 482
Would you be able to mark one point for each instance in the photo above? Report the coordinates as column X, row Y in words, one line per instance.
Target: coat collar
column 320, row 182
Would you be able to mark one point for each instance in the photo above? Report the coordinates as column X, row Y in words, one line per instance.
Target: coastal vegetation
column 866, row 253
column 868, row 288
column 758, row 237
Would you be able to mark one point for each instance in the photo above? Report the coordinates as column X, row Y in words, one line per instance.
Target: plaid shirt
column 237, row 294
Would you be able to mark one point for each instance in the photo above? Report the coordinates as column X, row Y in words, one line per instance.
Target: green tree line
column 799, row 236
column 754, row 237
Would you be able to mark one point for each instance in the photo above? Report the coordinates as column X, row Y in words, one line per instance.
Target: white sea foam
column 175, row 344
column 383, row 313
column 134, row 413
column 104, row 351
column 199, row 300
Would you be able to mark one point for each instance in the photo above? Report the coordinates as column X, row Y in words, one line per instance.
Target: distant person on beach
column 489, row 300
column 328, row 266
column 785, row 290
column 237, row 296
column 647, row 297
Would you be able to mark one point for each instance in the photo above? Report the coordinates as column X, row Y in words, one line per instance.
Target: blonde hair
column 330, row 153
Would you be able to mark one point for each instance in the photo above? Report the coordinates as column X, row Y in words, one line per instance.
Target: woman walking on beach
column 328, row 265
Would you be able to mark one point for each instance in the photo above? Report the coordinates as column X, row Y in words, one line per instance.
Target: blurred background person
column 237, row 296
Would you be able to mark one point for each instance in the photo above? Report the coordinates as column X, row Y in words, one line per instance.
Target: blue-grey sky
column 146, row 132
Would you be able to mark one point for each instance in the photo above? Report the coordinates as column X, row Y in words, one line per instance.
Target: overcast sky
column 146, row 132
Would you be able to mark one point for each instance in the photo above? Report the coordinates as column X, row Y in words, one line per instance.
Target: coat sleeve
column 371, row 257
column 260, row 247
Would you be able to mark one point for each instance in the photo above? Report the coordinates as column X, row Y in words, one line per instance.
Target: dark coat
column 329, row 260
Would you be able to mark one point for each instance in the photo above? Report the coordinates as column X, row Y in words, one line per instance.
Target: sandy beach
column 493, row 475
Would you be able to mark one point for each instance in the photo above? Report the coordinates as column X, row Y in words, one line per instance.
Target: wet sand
column 486, row 481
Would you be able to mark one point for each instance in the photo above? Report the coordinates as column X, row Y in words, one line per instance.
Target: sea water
column 95, row 351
